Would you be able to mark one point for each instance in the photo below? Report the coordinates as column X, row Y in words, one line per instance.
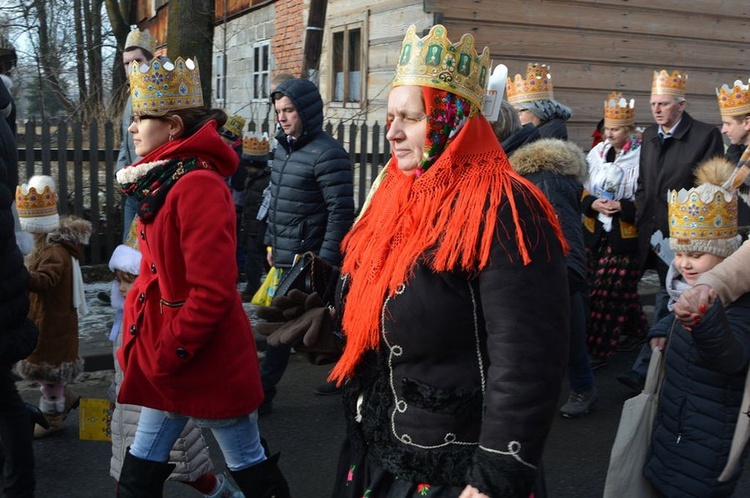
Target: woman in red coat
column 188, row 349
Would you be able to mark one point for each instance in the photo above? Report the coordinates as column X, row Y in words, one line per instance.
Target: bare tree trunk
column 93, row 21
column 48, row 60
column 190, row 33
column 118, row 12
column 80, row 58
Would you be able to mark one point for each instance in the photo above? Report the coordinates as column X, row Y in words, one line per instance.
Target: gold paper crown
column 536, row 86
column 141, row 39
column 672, row 85
column 618, row 111
column 165, row 86
column 704, row 218
column 696, row 214
column 36, row 203
column 255, row 144
column 435, row 62
column 232, row 129
column 734, row 101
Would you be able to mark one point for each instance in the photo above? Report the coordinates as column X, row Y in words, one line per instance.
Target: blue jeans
column 239, row 439
column 129, row 210
column 580, row 374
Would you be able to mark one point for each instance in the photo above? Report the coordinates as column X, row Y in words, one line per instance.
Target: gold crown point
column 671, row 85
column 734, row 101
column 536, row 85
column 141, row 39
column 159, row 87
column 435, row 62
column 255, row 144
column 233, row 127
column 618, row 111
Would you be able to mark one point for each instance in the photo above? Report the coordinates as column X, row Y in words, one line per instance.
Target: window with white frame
column 221, row 77
column 261, row 70
column 346, row 64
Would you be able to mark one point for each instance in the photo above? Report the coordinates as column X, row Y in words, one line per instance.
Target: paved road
column 307, row 429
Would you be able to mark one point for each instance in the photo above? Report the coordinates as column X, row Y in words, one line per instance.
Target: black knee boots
column 263, row 480
column 142, row 478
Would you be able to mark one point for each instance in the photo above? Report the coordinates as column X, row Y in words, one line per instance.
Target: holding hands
column 693, row 304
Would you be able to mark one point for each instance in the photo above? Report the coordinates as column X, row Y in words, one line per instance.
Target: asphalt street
column 308, row 429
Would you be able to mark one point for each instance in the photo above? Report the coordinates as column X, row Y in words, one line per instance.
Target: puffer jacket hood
column 306, row 99
column 552, row 155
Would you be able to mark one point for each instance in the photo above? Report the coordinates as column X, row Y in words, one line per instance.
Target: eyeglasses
column 137, row 119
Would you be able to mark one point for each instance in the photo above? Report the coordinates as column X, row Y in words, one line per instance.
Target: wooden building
column 592, row 47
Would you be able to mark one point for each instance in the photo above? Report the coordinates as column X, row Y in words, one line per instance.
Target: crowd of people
column 490, row 262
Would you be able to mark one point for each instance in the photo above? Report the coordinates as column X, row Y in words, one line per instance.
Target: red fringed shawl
column 447, row 216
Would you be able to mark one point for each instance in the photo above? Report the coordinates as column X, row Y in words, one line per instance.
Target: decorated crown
column 141, row 39
column 734, row 101
column 36, row 203
column 232, row 129
column 618, row 111
column 435, row 62
column 165, row 86
column 704, row 218
column 536, row 86
column 255, row 145
column 672, row 85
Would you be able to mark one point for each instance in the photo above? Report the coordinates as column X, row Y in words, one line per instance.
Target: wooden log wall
column 594, row 46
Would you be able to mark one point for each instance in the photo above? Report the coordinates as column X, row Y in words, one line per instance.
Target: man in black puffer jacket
column 18, row 334
column 312, row 203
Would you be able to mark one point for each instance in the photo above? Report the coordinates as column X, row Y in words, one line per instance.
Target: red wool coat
column 188, row 346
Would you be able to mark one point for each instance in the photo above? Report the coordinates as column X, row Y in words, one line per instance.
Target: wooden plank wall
column 594, row 46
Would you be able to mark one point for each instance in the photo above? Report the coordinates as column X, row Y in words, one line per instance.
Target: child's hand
column 693, row 304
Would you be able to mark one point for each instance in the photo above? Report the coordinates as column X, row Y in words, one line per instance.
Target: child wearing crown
column 56, row 298
column 190, row 452
column 706, row 365
column 188, row 350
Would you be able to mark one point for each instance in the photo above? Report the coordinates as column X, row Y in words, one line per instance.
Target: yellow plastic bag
column 267, row 290
column 94, row 420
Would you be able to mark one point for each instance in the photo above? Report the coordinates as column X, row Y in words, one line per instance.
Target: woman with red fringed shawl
column 454, row 311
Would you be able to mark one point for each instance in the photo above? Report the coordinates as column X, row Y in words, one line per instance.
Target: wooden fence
column 82, row 161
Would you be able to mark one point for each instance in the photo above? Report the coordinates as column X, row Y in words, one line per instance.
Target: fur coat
column 55, row 358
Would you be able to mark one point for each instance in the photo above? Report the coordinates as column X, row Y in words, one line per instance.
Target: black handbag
column 309, row 274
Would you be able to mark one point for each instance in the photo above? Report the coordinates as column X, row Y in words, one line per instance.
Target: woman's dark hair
column 194, row 118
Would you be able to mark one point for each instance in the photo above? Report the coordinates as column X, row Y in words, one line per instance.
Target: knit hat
column 126, row 257
column 36, row 203
column 704, row 218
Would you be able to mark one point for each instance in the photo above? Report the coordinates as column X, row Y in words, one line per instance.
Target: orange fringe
column 448, row 217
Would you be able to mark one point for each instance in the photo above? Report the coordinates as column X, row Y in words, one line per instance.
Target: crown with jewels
column 255, row 145
column 618, row 111
column 435, row 62
column 36, row 203
column 232, row 129
column 165, row 86
column 536, row 86
column 672, row 85
column 141, row 39
column 734, row 101
column 704, row 218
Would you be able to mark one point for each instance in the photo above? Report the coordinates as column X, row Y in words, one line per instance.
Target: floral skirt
column 614, row 302
column 358, row 477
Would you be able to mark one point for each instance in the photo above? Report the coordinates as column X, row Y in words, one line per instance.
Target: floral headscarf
column 446, row 115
